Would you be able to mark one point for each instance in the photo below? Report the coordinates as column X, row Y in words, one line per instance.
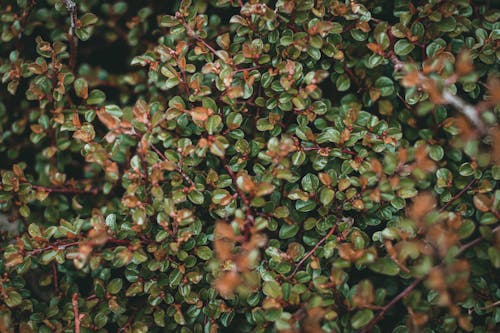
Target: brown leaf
column 141, row 111
column 227, row 282
column 201, row 113
column 108, row 120
column 482, row 202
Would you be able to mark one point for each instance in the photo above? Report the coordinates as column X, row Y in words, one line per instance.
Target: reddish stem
column 310, row 253
column 249, row 219
column 458, row 195
column 381, row 314
column 76, row 313
column 64, row 189
column 55, row 278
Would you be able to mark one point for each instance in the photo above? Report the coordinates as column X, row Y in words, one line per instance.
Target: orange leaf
column 201, row 113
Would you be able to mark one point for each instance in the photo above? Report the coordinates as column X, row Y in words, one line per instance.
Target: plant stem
column 368, row 328
column 249, row 219
column 64, row 189
column 458, row 195
column 73, row 39
column 74, row 302
column 311, row 252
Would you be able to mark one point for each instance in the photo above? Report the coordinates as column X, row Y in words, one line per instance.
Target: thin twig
column 144, row 163
column 489, row 306
column 473, row 242
column 177, row 168
column 55, row 246
column 73, row 39
column 368, row 328
column 381, row 314
column 191, row 33
column 55, row 278
column 78, row 316
column 310, row 253
column 469, row 111
column 64, row 190
column 249, row 219
column 458, row 195
column 24, row 18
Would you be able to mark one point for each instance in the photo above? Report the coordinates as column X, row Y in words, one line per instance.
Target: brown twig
column 191, row 33
column 64, row 190
column 73, row 39
column 489, row 306
column 54, row 246
column 249, row 219
column 78, row 316
column 473, row 242
column 142, row 156
column 177, row 168
column 458, row 195
column 368, row 328
column 469, row 111
column 55, row 278
column 59, row 245
column 24, row 18
column 310, row 253
column 127, row 324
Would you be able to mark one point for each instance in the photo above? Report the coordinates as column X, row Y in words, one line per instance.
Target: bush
column 250, row 166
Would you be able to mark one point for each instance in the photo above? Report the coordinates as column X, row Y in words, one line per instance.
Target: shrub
column 253, row 166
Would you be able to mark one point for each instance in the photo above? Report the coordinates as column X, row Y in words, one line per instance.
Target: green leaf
column 288, row 231
column 343, row 83
column 196, row 197
column 159, row 318
column 385, row 85
column 385, row 266
column 96, row 97
column 403, row 47
column 272, row 289
column 305, row 206
column 361, row 318
column 13, row 299
column 88, row 19
column 114, row 286
column 326, row 196
column 81, row 88
column 204, row 252
column 436, row 153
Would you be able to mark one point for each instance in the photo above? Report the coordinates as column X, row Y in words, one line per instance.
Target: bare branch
column 310, row 253
column 73, row 39
column 78, row 316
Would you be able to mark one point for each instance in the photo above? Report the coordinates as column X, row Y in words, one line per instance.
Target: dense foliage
column 249, row 166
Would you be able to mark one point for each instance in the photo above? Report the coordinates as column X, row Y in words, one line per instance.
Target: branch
column 24, row 18
column 59, row 245
column 93, row 191
column 492, row 305
column 458, row 195
column 368, row 328
column 191, row 33
column 142, row 155
column 177, row 167
column 473, row 242
column 249, row 219
column 310, row 253
column 78, row 316
column 467, row 110
column 73, row 39
column 381, row 314
column 55, row 278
